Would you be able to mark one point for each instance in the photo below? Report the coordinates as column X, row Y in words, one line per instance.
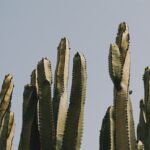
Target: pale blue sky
column 32, row 29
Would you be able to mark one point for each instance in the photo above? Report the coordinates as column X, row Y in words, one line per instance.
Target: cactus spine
column 119, row 69
column 53, row 121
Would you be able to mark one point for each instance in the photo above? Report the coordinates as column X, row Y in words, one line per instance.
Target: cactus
column 121, row 136
column 51, row 120
column 53, row 123
column 143, row 130
column 6, row 116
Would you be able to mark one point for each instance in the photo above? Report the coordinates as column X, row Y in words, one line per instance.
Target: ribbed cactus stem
column 46, row 121
column 29, row 109
column 35, row 138
column 60, row 103
column 143, row 130
column 6, row 117
column 115, row 65
column 74, row 122
column 11, row 130
column 119, row 68
column 107, row 131
column 7, row 131
column 5, row 95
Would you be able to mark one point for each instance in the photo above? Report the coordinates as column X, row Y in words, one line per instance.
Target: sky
column 32, row 29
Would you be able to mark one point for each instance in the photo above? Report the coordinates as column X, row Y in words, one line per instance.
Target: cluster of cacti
column 6, row 116
column 56, row 124
column 50, row 123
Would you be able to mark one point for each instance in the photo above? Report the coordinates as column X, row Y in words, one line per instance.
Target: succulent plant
column 52, row 122
column 118, row 126
column 48, row 123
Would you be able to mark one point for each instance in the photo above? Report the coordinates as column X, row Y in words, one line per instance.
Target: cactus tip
column 123, row 27
column 64, row 43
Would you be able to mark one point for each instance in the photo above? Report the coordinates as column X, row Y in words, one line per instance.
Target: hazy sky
column 32, row 29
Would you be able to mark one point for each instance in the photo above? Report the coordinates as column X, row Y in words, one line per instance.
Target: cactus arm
column 34, row 79
column 35, row 137
column 74, row 122
column 5, row 95
column 122, row 39
column 59, row 103
column 107, row 131
column 46, row 122
column 115, row 64
column 143, row 130
column 81, row 119
column 146, row 79
column 6, row 134
column 142, row 122
column 29, row 108
column 4, row 131
column 11, row 129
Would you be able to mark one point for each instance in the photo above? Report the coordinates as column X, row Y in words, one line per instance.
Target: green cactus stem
column 119, row 69
column 74, row 122
column 7, row 131
column 46, row 121
column 107, row 131
column 143, row 129
column 6, row 117
column 5, row 95
column 60, row 99
column 29, row 109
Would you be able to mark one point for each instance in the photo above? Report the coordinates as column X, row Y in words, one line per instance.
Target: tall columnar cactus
column 48, row 123
column 6, row 116
column 143, row 130
column 121, row 130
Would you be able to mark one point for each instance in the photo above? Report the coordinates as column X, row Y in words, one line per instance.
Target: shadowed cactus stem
column 107, row 132
column 143, row 130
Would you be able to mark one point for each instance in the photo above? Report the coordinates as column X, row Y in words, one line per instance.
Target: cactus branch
column 74, row 122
